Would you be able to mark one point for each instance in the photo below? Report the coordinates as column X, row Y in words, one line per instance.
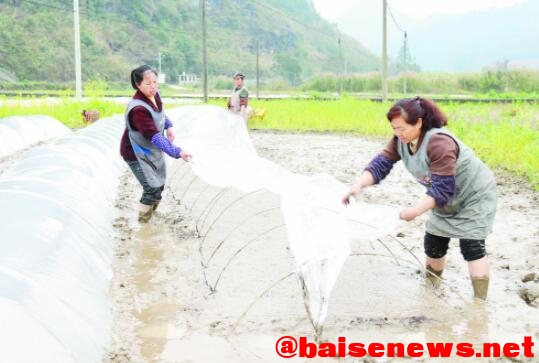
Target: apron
column 470, row 214
column 150, row 157
column 235, row 100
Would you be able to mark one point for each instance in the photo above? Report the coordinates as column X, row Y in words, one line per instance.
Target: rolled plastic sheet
column 56, row 247
column 320, row 228
column 19, row 132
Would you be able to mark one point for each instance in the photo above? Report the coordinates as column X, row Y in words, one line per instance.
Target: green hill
column 295, row 42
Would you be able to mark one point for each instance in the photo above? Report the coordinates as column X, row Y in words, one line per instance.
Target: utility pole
column 405, row 65
column 257, row 69
column 341, row 66
column 384, row 52
column 78, row 71
column 204, row 51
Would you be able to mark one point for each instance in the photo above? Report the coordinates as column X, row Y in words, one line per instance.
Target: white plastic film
column 319, row 226
column 56, row 251
column 20, row 132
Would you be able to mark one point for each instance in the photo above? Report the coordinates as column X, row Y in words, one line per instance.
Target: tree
column 290, row 68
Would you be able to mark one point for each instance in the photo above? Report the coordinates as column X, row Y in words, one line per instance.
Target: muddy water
column 194, row 284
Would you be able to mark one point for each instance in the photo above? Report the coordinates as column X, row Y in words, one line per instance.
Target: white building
column 187, row 78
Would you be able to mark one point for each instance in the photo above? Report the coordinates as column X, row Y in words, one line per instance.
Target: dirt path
column 164, row 272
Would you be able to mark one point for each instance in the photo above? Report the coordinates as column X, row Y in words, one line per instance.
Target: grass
column 504, row 144
column 503, row 135
column 66, row 110
column 346, row 115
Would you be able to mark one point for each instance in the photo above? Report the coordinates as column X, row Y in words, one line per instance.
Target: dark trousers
column 150, row 195
column 471, row 249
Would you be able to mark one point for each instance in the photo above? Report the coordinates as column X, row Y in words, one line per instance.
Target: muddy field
column 210, row 279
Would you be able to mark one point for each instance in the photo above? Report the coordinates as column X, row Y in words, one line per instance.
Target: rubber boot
column 433, row 277
column 480, row 287
column 156, row 204
column 145, row 213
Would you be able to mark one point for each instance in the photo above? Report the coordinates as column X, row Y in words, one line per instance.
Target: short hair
column 137, row 74
column 238, row 74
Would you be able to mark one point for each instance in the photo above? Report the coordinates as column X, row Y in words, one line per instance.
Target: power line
column 94, row 15
column 405, row 33
column 394, row 20
column 404, row 50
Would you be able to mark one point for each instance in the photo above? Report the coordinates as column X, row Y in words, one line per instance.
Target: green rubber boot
column 145, row 213
column 433, row 277
column 480, row 287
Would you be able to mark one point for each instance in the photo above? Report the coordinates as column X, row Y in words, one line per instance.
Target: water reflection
column 156, row 315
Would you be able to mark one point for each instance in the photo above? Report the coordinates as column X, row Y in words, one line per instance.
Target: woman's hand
column 355, row 192
column 424, row 205
column 409, row 214
column 185, row 155
column 366, row 179
column 170, row 134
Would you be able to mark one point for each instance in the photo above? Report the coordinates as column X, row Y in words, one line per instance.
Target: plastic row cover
column 19, row 132
column 319, row 226
column 56, row 250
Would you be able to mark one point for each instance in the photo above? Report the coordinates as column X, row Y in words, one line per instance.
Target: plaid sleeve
column 166, row 146
column 168, row 123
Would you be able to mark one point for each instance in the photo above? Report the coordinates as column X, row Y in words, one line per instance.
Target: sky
column 444, row 35
column 419, row 9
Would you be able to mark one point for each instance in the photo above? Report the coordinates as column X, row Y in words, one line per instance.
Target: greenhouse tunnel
column 56, row 249
column 57, row 212
column 20, row 132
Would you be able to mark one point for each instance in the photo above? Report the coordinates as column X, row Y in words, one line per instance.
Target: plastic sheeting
column 319, row 226
column 19, row 132
column 56, row 251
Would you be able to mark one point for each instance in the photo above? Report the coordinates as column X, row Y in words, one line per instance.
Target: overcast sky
column 332, row 9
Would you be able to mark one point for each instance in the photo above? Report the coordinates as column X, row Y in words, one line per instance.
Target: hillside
column 295, row 42
column 447, row 42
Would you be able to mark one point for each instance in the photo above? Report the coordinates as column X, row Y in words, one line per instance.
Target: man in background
column 239, row 101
